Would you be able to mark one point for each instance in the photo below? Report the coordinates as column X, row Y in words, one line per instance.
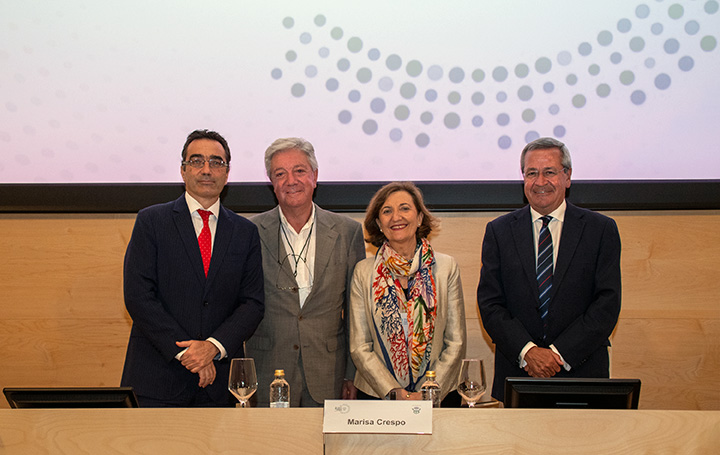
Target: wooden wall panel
column 63, row 321
column 670, row 264
column 677, row 360
column 63, row 266
column 62, row 352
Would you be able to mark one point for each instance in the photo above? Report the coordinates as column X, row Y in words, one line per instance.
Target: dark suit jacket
column 169, row 298
column 585, row 300
column 318, row 330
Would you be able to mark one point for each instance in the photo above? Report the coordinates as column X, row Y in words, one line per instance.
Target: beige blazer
column 314, row 336
column 449, row 340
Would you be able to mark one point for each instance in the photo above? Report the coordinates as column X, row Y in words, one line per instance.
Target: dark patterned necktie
column 205, row 240
column 544, row 269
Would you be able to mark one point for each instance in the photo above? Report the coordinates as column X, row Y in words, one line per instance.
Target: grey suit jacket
column 318, row 330
column 449, row 340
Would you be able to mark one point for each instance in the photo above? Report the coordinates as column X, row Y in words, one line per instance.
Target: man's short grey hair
column 289, row 143
column 545, row 143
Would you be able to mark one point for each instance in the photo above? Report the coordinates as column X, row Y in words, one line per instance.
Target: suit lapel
column 523, row 236
column 572, row 229
column 269, row 227
column 186, row 230
column 223, row 235
column 325, row 240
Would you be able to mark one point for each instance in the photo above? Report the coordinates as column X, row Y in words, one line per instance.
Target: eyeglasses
column 198, row 163
column 299, row 278
column 547, row 173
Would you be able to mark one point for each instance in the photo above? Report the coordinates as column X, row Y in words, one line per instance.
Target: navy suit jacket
column 585, row 299
column 170, row 299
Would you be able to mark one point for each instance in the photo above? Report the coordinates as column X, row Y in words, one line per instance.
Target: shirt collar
column 194, row 205
column 558, row 213
column 287, row 225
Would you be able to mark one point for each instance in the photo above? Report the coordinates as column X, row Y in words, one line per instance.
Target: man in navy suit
column 191, row 311
column 563, row 332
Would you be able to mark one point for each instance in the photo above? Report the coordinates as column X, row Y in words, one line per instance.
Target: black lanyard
column 296, row 258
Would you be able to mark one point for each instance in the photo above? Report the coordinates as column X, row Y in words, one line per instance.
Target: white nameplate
column 377, row 416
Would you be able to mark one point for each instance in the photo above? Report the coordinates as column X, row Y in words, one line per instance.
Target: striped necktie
column 544, row 269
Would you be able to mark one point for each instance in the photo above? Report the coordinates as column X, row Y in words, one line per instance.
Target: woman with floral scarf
column 406, row 305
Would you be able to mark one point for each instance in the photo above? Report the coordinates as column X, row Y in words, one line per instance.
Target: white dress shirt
column 555, row 226
column 300, row 252
column 194, row 206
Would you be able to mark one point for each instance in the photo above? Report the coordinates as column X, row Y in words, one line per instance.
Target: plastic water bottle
column 431, row 389
column 279, row 391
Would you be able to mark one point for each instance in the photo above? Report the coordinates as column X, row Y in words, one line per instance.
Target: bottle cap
column 430, row 374
column 279, row 372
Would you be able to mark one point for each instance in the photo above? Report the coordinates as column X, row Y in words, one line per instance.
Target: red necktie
column 205, row 240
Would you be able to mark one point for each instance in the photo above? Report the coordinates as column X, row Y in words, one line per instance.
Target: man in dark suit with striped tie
column 549, row 291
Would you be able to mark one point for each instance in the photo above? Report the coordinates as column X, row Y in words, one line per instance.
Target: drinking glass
column 243, row 380
column 471, row 384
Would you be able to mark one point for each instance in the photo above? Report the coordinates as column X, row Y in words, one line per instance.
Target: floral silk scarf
column 407, row 355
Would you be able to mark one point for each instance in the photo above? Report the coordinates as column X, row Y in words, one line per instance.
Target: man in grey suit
column 308, row 259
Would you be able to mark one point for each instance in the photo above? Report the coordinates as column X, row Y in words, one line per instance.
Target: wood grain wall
column 63, row 321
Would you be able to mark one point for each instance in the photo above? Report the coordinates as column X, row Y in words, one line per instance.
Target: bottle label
column 279, row 404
